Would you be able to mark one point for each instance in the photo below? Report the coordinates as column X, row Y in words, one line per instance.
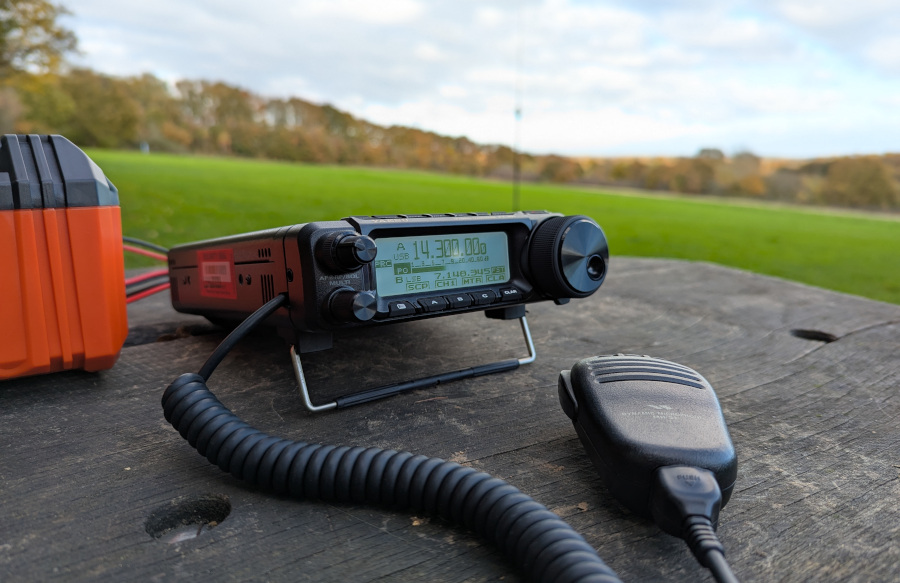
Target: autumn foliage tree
column 860, row 182
column 32, row 43
column 31, row 39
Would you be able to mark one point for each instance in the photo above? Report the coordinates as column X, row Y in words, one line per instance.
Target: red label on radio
column 216, row 269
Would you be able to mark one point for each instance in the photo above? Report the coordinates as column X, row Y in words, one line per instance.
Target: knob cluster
column 568, row 256
column 343, row 252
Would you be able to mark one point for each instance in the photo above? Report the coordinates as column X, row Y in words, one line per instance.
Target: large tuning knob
column 346, row 251
column 568, row 256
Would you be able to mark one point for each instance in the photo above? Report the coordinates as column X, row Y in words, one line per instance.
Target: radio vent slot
column 268, row 287
column 264, row 252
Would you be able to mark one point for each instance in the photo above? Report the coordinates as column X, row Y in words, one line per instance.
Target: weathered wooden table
column 90, row 470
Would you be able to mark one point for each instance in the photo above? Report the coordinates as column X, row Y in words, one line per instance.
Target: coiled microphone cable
column 545, row 548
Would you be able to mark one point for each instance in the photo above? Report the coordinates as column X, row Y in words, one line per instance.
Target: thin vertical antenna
column 517, row 171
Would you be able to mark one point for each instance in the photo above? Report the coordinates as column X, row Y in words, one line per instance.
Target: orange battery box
column 62, row 275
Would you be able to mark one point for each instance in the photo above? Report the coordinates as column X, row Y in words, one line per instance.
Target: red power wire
column 144, row 252
column 146, row 276
column 148, row 292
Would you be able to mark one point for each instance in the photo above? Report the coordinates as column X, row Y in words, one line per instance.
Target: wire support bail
column 382, row 392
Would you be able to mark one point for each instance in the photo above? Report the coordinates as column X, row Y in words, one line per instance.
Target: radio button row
column 484, row 297
column 438, row 303
column 460, row 301
column 435, row 304
column 510, row 294
column 401, row 308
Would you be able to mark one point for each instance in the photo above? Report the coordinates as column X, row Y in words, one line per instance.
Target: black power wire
column 544, row 547
column 144, row 285
column 145, row 244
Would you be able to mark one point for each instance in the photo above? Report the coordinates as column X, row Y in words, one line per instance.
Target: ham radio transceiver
column 366, row 270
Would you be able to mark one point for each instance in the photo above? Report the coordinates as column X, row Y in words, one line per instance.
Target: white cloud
column 834, row 14
column 601, row 77
column 781, row 99
column 453, row 91
column 489, row 16
column 607, row 129
column 380, row 12
column 543, row 131
column 716, row 37
column 885, row 52
column 429, row 52
column 859, row 31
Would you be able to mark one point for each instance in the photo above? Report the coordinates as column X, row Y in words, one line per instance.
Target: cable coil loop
column 545, row 547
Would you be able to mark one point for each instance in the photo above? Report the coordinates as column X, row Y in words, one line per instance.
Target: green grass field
column 176, row 199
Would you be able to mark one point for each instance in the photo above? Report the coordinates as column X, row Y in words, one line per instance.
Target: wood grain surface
column 88, row 465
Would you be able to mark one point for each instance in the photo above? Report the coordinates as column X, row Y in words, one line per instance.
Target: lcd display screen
column 439, row 263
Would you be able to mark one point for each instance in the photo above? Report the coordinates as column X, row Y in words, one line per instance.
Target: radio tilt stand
column 382, row 392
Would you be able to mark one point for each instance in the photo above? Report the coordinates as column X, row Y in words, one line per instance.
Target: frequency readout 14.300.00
column 441, row 263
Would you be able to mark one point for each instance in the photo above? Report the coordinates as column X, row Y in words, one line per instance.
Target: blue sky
column 780, row 78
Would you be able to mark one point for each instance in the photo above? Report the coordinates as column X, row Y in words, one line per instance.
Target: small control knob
column 346, row 251
column 347, row 305
column 568, row 256
column 353, row 251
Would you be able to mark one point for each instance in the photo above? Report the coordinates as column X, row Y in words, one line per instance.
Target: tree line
column 866, row 182
column 40, row 94
column 93, row 109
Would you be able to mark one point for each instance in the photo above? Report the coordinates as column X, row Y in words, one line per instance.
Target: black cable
column 238, row 333
column 146, row 244
column 720, row 569
column 146, row 284
column 685, row 502
column 704, row 544
column 537, row 540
